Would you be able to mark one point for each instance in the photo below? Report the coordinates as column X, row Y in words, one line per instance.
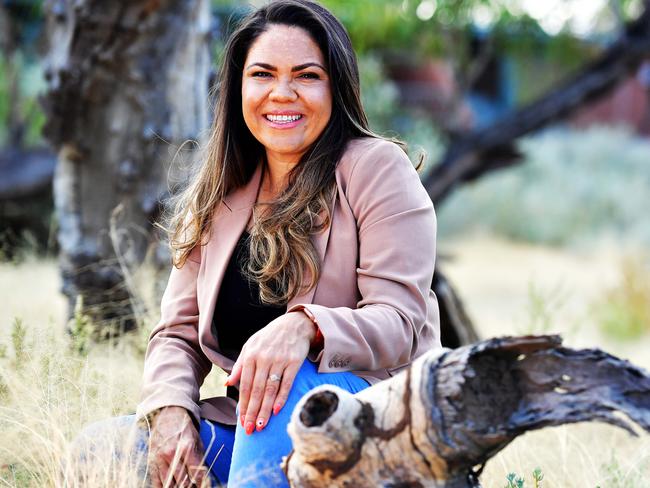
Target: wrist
column 317, row 339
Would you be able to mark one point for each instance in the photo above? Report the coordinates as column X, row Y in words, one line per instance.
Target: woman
column 304, row 253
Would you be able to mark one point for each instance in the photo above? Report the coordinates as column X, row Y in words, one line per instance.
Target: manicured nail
column 260, row 424
column 276, row 408
column 249, row 428
column 241, row 419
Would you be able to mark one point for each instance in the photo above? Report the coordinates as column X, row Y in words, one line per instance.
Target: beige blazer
column 373, row 302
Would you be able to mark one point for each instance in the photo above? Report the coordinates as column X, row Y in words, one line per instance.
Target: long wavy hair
column 283, row 259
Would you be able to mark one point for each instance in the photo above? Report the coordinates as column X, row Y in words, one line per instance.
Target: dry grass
column 48, row 392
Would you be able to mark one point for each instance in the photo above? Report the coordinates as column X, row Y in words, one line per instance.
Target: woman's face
column 286, row 95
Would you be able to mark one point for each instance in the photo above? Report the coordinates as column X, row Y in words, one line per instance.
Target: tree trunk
column 452, row 410
column 127, row 85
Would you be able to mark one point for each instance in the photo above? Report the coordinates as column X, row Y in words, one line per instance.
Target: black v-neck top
column 239, row 312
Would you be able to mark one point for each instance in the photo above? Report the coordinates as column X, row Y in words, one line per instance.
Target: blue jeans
column 254, row 460
column 234, row 458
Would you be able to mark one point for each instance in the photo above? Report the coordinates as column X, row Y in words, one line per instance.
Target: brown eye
column 261, row 74
column 310, row 76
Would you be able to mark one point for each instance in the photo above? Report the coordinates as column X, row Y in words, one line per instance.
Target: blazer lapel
column 228, row 224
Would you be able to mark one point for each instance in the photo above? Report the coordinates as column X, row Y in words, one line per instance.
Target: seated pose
column 304, row 251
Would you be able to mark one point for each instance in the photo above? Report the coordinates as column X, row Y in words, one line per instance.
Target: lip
column 283, row 112
column 286, row 125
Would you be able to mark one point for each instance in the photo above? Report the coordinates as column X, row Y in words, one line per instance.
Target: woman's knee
column 114, row 447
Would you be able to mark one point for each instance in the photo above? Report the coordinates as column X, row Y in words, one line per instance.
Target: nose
column 283, row 91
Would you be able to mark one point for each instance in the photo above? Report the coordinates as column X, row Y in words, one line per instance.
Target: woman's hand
column 175, row 454
column 267, row 366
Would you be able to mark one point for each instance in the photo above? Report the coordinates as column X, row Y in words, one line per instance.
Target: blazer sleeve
column 396, row 234
column 174, row 365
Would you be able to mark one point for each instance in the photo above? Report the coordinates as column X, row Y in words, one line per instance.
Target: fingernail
column 242, row 419
column 249, row 428
column 260, row 424
column 276, row 408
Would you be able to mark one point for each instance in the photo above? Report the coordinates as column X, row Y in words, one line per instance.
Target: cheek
column 249, row 105
column 326, row 106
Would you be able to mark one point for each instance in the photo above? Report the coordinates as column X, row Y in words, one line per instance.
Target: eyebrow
column 300, row 67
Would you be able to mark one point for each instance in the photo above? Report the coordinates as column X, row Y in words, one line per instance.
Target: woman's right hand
column 175, row 454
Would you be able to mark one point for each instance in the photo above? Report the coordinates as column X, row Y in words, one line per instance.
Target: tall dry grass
column 49, row 391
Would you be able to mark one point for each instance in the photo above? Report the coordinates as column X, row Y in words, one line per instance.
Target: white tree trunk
column 127, row 85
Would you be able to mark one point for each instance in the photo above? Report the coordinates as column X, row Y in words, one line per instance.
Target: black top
column 239, row 312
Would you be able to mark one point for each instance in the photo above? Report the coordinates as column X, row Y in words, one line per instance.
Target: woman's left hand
column 267, row 366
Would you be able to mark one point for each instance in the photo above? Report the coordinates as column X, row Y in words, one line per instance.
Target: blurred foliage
column 21, row 78
column 597, row 195
column 572, row 187
column 26, row 19
column 381, row 101
column 29, row 84
column 416, row 28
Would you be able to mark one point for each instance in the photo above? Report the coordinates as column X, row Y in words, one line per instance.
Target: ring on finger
column 275, row 377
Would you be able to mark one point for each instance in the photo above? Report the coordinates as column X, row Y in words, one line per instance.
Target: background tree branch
column 471, row 155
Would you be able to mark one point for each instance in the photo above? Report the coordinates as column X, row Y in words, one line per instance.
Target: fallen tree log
column 436, row 424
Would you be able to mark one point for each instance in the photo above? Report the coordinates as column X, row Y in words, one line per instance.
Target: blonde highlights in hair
column 283, row 259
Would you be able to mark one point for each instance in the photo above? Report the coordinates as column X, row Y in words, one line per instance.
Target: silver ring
column 275, row 377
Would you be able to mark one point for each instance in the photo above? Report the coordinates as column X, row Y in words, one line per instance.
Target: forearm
column 174, row 370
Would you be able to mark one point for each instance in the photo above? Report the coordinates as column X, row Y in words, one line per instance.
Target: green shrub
column 572, row 187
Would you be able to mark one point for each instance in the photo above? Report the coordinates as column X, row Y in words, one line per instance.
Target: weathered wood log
column 127, row 86
column 432, row 425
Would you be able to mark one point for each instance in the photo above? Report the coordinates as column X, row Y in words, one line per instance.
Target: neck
column 277, row 172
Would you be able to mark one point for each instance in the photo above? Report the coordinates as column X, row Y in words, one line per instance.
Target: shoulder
column 369, row 161
column 369, row 151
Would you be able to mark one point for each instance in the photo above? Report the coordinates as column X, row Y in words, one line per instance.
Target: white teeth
column 283, row 119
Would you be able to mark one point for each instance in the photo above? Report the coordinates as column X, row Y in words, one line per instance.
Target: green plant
column 81, row 329
column 18, row 334
column 617, row 477
column 514, row 481
column 623, row 311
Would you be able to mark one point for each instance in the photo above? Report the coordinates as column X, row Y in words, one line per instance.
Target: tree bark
column 471, row 155
column 127, row 85
column 456, row 328
column 452, row 410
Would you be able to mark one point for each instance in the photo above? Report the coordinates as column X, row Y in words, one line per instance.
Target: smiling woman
column 286, row 96
column 304, row 254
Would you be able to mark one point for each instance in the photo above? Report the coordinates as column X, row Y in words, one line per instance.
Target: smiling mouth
column 282, row 119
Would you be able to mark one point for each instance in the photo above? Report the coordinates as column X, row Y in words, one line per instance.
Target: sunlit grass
column 52, row 385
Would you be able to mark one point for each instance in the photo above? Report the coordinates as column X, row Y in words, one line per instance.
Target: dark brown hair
column 282, row 254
